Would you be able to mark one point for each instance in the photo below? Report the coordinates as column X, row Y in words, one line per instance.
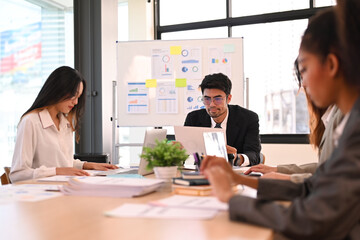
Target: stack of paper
column 110, row 187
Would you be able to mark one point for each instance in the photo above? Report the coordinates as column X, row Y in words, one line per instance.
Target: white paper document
column 193, row 202
column 161, row 63
column 130, row 210
column 219, row 61
column 190, row 63
column 193, row 96
column 57, row 178
column 166, row 98
column 28, row 192
column 137, row 98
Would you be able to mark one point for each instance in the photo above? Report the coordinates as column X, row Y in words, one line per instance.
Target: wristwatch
column 236, row 160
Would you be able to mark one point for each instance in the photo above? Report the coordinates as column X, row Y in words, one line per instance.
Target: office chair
column 5, row 177
column 262, row 158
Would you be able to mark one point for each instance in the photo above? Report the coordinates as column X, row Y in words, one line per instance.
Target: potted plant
column 164, row 158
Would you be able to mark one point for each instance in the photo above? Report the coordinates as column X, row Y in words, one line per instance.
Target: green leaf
column 164, row 154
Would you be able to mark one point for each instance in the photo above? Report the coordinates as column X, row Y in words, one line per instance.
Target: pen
column 197, row 160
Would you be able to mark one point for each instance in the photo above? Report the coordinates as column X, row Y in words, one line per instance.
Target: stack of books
column 110, row 187
column 192, row 190
column 191, row 183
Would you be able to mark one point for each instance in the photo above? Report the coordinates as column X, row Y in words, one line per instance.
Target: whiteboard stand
column 115, row 156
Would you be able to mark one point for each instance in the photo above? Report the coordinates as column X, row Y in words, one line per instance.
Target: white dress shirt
column 223, row 125
column 40, row 147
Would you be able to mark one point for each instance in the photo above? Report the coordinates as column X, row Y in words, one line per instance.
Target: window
column 185, row 11
column 220, row 32
column 324, row 3
column 270, row 50
column 35, row 38
column 123, row 22
column 242, row 8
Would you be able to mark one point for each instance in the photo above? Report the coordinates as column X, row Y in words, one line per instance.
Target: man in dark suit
column 241, row 125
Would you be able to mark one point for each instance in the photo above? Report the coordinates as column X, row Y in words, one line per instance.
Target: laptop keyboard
column 114, row 171
column 129, row 171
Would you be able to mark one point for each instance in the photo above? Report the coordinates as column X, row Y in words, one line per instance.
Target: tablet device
column 215, row 144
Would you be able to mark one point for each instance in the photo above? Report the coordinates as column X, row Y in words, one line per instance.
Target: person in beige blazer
column 298, row 173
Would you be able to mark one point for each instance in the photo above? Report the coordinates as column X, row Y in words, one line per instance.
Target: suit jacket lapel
column 205, row 120
column 232, row 128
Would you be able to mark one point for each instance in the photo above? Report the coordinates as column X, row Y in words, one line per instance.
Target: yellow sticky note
column 175, row 50
column 180, row 82
column 150, row 83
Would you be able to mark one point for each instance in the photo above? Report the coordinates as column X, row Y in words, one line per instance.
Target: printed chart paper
column 192, row 96
column 28, row 192
column 137, row 98
column 189, row 63
column 219, row 61
column 161, row 63
column 166, row 98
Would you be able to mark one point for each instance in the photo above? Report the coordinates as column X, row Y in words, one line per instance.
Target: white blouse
column 40, row 147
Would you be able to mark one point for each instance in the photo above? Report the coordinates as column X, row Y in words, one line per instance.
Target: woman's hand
column 212, row 161
column 261, row 168
column 98, row 166
column 69, row 171
column 221, row 183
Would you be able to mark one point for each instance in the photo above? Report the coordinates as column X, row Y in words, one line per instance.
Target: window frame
column 230, row 22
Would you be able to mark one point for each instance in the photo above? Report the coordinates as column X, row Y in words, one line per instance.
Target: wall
column 276, row 154
column 140, row 28
column 109, row 11
column 141, row 23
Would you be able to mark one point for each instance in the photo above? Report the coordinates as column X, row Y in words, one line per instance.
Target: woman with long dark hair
column 44, row 143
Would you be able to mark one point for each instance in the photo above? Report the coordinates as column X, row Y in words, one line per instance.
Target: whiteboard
column 167, row 64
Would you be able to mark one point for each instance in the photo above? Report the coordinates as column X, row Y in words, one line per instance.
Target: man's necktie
column 218, row 125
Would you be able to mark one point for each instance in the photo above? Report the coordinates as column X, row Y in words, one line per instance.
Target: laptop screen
column 151, row 135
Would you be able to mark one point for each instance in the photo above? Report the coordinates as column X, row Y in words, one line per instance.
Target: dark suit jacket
column 242, row 130
column 325, row 206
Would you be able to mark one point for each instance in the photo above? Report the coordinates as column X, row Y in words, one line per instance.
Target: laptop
column 192, row 138
column 151, row 135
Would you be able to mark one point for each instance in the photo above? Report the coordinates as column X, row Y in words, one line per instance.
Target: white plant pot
column 165, row 172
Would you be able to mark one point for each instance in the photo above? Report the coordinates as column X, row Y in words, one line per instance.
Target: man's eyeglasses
column 216, row 100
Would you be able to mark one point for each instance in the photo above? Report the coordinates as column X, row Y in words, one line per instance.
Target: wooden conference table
column 77, row 218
